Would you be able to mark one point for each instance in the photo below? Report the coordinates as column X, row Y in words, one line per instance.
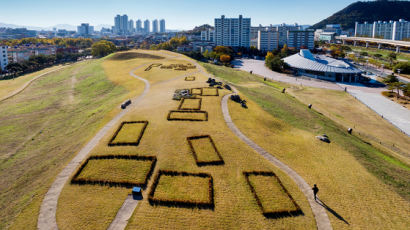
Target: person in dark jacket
column 315, row 190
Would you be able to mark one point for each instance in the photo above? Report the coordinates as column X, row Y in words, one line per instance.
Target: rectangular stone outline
column 190, row 78
column 273, row 215
column 126, row 184
column 136, row 143
column 204, row 163
column 186, row 111
column 182, row 102
column 182, row 203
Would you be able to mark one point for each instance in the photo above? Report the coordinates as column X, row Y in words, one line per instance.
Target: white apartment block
column 3, row 57
column 233, row 32
column 155, row 26
column 392, row 30
column 208, row 35
column 301, row 39
column 162, row 26
column 268, row 40
column 146, row 27
column 283, row 32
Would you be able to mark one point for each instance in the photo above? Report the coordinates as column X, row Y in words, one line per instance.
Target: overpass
column 377, row 41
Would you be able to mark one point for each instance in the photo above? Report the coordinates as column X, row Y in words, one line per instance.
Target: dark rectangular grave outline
column 182, row 203
column 186, row 111
column 126, row 184
column 182, row 102
column 204, row 163
column 190, row 77
column 273, row 215
column 136, row 143
column 202, row 92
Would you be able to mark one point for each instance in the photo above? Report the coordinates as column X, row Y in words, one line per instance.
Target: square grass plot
column 196, row 91
column 271, row 196
column 182, row 189
column 204, row 151
column 113, row 170
column 190, row 78
column 190, row 104
column 129, row 133
column 210, row 91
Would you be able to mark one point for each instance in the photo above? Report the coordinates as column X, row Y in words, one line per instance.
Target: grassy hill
column 367, row 11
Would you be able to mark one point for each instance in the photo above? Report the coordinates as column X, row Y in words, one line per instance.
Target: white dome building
column 322, row 67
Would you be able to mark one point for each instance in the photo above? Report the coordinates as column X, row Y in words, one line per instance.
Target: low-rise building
column 327, row 36
column 24, row 52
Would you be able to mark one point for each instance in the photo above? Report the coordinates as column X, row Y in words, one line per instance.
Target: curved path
column 14, row 93
column 322, row 220
column 47, row 217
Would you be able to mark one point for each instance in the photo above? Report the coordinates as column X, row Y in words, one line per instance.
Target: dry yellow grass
column 182, row 188
column 188, row 115
column 196, row 91
column 190, row 78
column 116, row 170
column 207, row 91
column 204, row 150
column 190, row 104
column 235, row 206
column 129, row 133
column 271, row 194
column 347, row 111
column 345, row 186
column 9, row 86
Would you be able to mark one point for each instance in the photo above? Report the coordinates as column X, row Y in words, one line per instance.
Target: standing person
column 315, row 190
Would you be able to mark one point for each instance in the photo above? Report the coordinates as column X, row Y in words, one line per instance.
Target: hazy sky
column 179, row 14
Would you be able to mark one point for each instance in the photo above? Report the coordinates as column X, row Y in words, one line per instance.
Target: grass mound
column 271, row 196
column 187, row 115
column 190, row 104
column 115, row 170
column 204, row 150
column 182, row 189
column 132, row 55
column 129, row 133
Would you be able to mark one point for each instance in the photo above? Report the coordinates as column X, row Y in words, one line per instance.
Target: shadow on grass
column 331, row 211
column 132, row 55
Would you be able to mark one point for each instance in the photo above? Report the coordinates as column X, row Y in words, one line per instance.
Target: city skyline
column 38, row 14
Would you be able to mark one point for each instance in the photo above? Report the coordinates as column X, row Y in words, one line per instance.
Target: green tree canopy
column 102, row 48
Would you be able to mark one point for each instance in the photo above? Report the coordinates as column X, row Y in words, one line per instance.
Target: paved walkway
column 14, row 93
column 322, row 220
column 47, row 217
column 124, row 214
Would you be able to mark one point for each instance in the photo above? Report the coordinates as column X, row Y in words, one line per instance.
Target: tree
column 392, row 56
column 284, row 51
column 225, row 58
column 390, row 79
column 102, row 48
column 397, row 86
column 406, row 90
column 403, row 66
column 206, row 54
column 364, row 54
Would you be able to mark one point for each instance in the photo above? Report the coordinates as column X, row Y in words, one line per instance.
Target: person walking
column 315, row 190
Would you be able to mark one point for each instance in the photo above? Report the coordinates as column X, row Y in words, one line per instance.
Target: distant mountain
column 382, row 10
column 13, row 26
column 58, row 26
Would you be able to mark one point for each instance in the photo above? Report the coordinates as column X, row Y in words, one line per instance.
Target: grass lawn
column 204, row 150
column 385, row 53
column 190, row 104
column 116, row 170
column 182, row 188
column 196, row 91
column 271, row 194
column 9, row 86
column 361, row 183
column 42, row 128
column 190, row 78
column 209, row 91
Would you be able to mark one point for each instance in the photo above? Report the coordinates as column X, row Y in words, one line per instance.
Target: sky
column 178, row 14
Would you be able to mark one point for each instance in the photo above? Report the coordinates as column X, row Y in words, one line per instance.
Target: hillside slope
column 368, row 11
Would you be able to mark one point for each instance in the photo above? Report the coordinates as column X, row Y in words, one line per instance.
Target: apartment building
column 208, row 35
column 162, row 26
column 268, row 40
column 85, row 30
column 392, row 30
column 233, row 32
column 146, row 27
column 301, row 39
column 155, row 26
column 23, row 52
column 3, row 57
